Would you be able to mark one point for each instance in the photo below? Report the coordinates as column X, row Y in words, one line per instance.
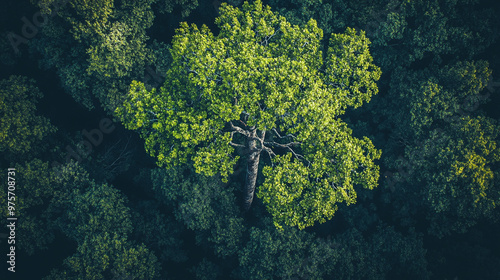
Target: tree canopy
column 21, row 128
column 263, row 130
column 449, row 147
column 260, row 86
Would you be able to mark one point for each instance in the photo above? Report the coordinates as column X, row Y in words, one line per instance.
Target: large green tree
column 261, row 87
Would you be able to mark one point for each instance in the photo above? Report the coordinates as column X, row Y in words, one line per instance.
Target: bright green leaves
column 213, row 80
column 300, row 193
column 350, row 68
column 270, row 61
column 21, row 128
column 258, row 76
column 208, row 163
column 133, row 113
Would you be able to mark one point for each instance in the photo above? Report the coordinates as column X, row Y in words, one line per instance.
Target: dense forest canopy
column 185, row 139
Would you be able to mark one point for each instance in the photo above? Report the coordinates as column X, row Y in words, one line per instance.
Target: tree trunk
column 251, row 178
column 252, row 170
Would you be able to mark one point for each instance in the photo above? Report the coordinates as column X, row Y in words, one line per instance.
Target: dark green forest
column 192, row 139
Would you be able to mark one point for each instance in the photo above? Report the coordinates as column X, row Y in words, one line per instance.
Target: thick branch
column 239, row 130
column 281, row 137
column 284, row 146
column 270, row 152
column 287, row 146
column 237, row 145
